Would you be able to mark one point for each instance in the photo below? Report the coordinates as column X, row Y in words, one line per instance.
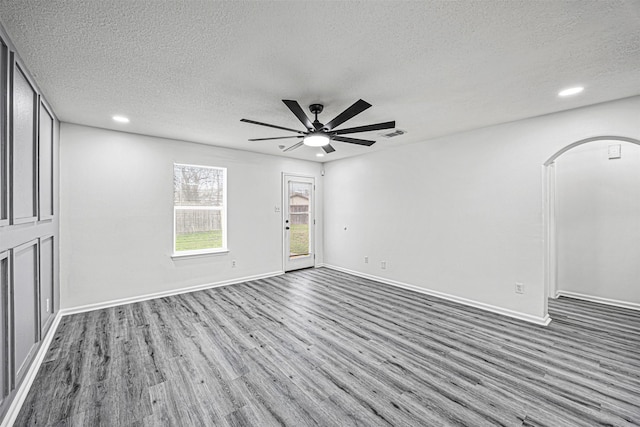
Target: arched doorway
column 552, row 221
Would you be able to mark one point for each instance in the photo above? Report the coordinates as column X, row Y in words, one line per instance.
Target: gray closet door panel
column 25, row 315
column 46, row 283
column 23, row 148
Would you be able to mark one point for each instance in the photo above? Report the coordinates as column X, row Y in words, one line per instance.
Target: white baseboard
column 23, row 390
column 600, row 300
column 544, row 321
column 146, row 297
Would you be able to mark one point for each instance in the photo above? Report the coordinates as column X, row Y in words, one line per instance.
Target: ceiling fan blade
column 268, row 125
column 293, row 147
column 296, row 109
column 328, row 148
column 377, row 126
column 358, row 107
column 366, row 142
column 278, row 137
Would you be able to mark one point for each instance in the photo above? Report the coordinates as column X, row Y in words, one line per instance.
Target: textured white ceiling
column 191, row 70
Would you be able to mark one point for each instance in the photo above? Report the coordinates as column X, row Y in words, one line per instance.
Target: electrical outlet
column 519, row 288
column 47, row 305
column 366, row 260
column 383, row 265
column 233, row 264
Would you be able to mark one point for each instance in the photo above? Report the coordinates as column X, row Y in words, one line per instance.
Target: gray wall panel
column 24, row 269
column 46, row 283
column 45, row 164
column 4, row 133
column 23, row 148
column 29, row 180
column 4, row 292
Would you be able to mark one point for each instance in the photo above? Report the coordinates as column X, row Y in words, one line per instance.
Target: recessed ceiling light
column 571, row 91
column 120, row 119
column 319, row 154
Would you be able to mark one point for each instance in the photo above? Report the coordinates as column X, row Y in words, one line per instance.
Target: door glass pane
column 299, row 214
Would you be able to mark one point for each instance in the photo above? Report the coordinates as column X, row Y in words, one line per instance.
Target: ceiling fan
column 321, row 135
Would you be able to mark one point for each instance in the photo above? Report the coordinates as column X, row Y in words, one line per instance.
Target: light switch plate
column 615, row 152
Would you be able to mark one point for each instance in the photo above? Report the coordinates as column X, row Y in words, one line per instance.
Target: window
column 199, row 209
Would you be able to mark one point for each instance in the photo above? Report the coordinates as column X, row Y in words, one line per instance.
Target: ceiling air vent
column 392, row 133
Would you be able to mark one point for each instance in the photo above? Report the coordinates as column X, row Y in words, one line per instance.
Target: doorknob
column 286, row 228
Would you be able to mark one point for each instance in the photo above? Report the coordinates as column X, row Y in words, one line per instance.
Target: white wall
column 117, row 215
column 462, row 214
column 598, row 221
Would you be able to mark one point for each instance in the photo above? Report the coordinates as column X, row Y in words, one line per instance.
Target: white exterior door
column 299, row 222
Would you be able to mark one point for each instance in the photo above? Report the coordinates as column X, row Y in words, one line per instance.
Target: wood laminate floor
column 319, row 347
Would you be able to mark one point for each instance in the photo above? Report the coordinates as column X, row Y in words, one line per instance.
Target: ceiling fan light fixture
column 316, row 139
column 317, row 134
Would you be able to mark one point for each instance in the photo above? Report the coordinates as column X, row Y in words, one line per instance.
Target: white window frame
column 222, row 209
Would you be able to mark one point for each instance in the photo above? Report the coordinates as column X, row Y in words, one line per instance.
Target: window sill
column 198, row 254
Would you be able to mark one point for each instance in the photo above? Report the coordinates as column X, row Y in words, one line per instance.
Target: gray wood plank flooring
column 320, row 347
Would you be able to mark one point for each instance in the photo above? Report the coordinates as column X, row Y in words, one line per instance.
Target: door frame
column 549, row 223
column 285, row 213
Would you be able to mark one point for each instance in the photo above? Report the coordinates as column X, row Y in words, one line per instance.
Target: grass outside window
column 199, row 241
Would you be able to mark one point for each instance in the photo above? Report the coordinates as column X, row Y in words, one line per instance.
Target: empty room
column 319, row 213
